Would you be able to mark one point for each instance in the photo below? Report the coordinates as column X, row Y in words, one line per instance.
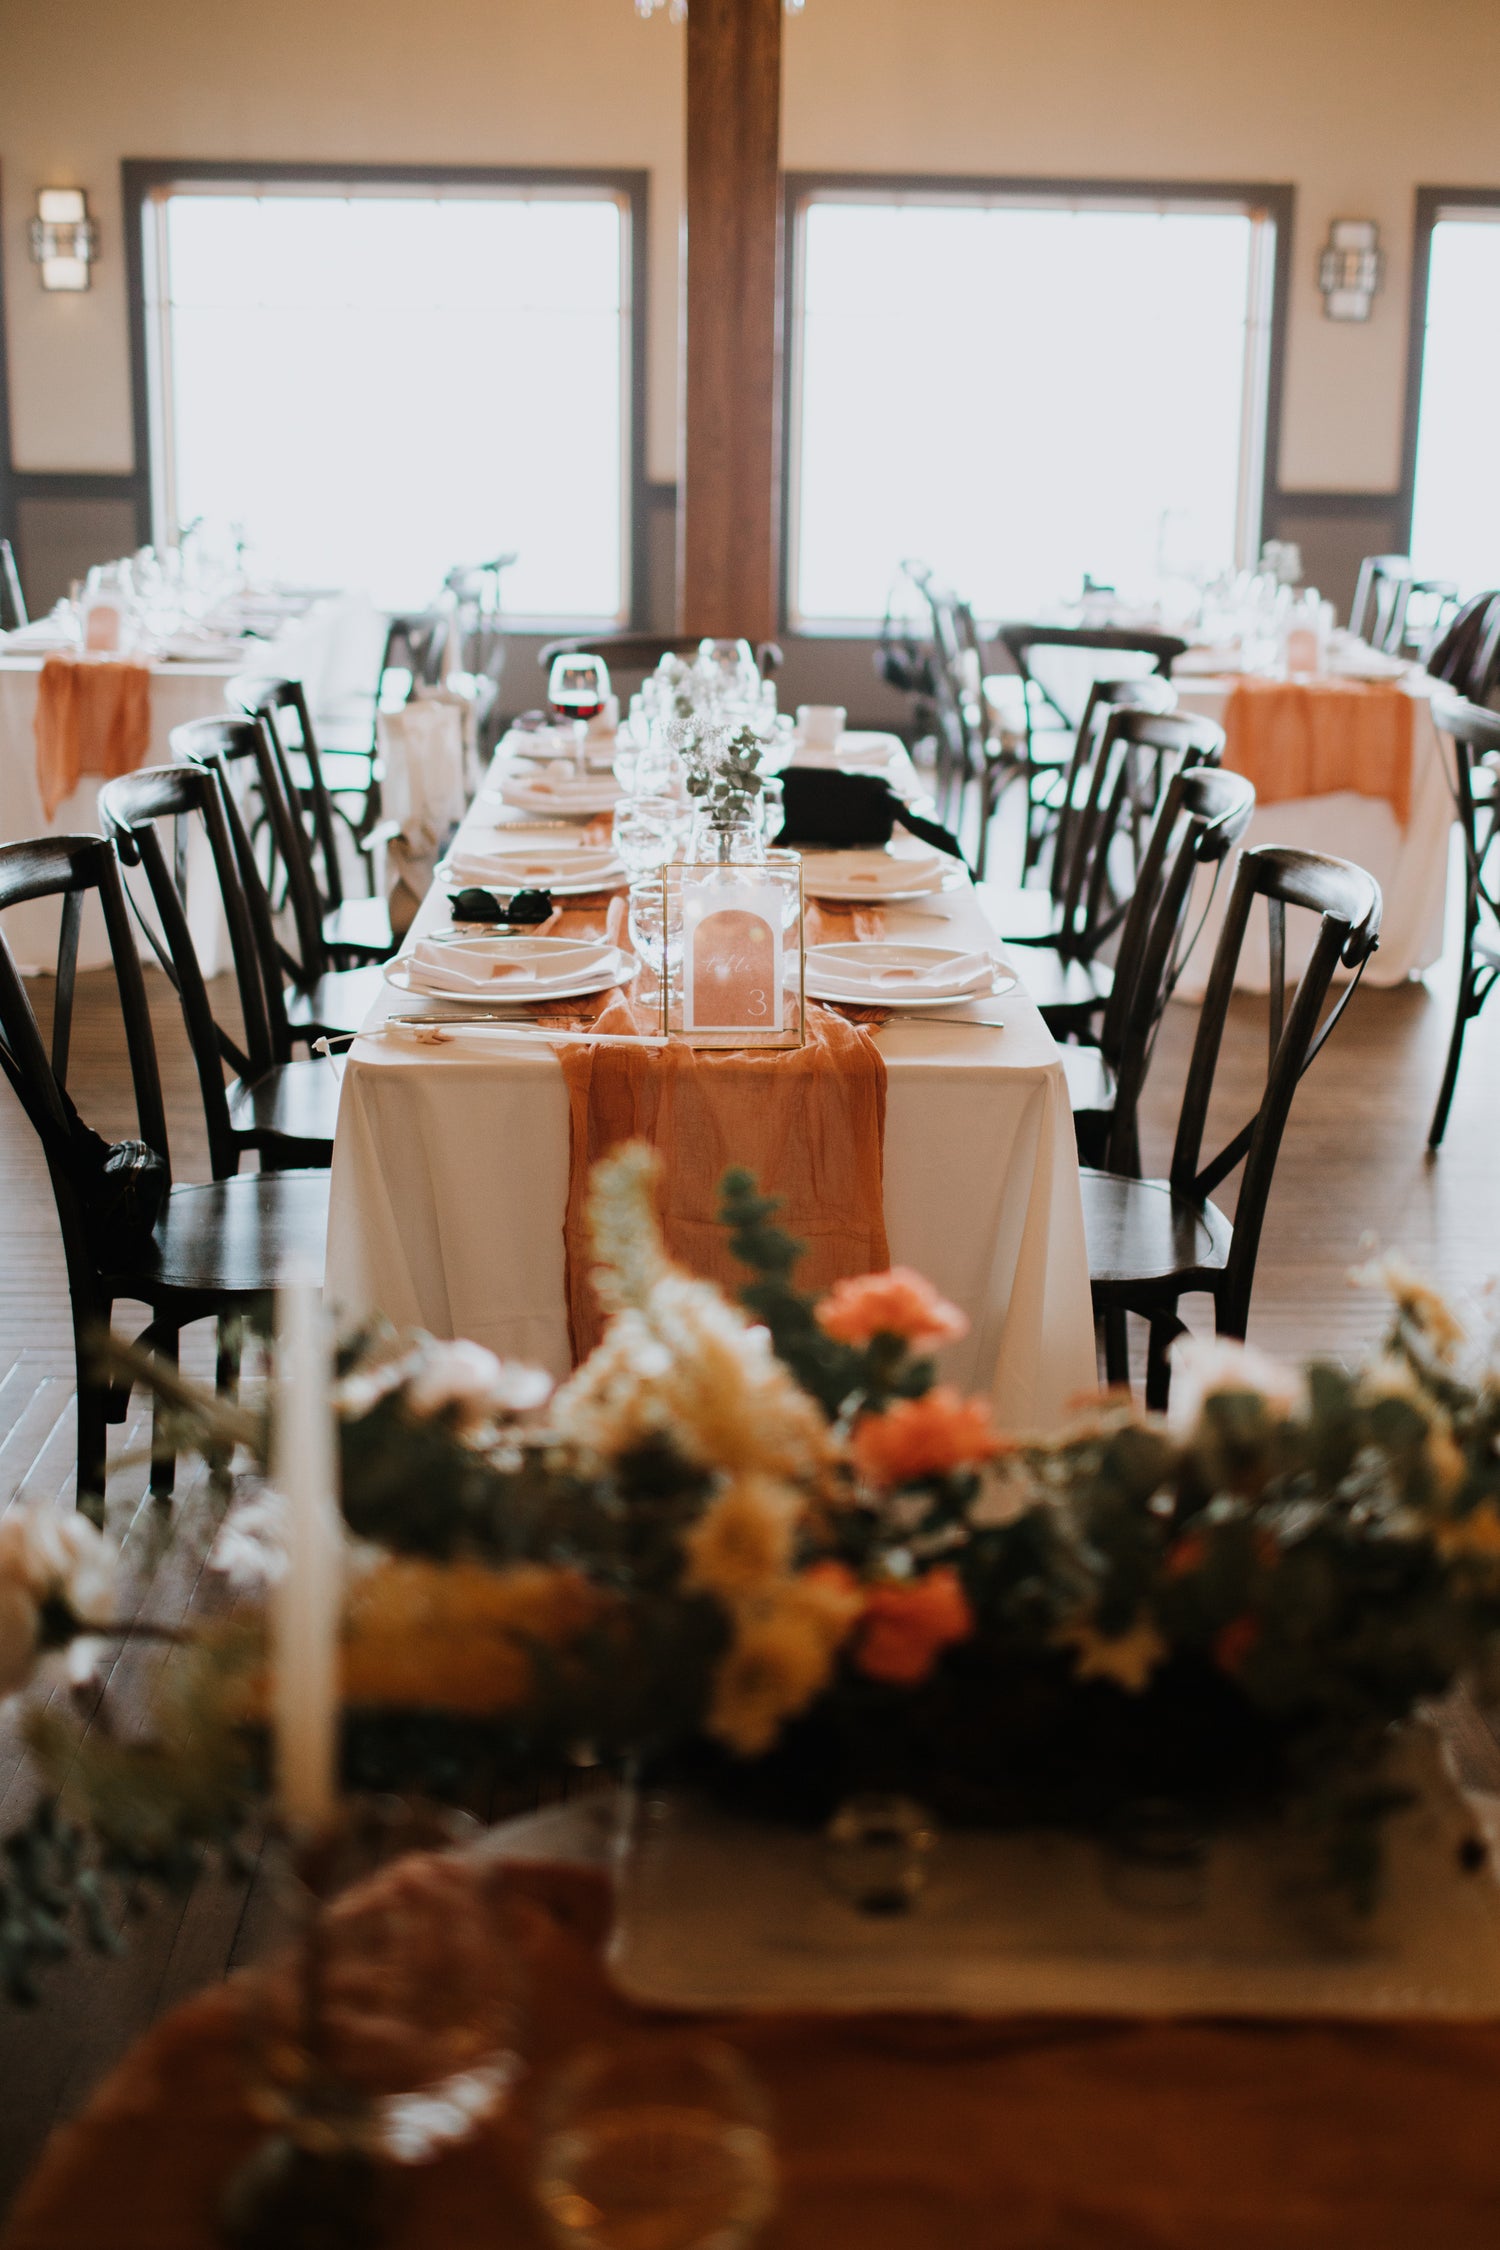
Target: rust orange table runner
column 892, row 2133
column 809, row 1122
column 1296, row 739
column 92, row 717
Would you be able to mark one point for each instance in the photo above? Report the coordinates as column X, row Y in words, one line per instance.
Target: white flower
column 250, row 1549
column 57, row 1557
column 1205, row 1367
column 465, row 1381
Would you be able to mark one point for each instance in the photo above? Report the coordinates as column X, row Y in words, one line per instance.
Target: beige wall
column 1353, row 101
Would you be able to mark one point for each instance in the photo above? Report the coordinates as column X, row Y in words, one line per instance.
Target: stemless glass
column 646, row 830
column 656, row 2144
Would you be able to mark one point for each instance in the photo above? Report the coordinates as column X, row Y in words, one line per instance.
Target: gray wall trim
column 7, row 472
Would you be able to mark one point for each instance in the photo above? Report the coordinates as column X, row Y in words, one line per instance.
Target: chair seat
column 297, row 1104
column 1023, row 917
column 360, row 925
column 1068, row 993
column 245, row 1236
column 334, row 1004
column 1091, row 1082
column 1139, row 1233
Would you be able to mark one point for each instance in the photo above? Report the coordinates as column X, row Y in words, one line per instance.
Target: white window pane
column 1455, row 530
column 378, row 387
column 1016, row 396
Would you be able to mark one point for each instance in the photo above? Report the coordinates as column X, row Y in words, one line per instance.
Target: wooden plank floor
column 1354, row 1167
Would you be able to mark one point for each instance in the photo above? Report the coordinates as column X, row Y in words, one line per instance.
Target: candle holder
column 385, row 2034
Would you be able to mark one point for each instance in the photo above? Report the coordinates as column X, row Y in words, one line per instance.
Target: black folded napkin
column 830, row 809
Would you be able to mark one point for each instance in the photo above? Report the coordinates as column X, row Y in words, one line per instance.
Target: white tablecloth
column 450, row 1180
column 317, row 647
column 1410, row 864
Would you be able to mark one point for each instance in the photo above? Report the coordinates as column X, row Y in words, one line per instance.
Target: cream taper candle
column 306, row 1603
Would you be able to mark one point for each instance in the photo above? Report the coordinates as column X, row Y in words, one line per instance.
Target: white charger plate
column 618, row 968
column 821, row 984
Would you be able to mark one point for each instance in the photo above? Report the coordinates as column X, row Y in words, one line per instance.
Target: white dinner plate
column 878, row 877
column 823, row 981
column 617, row 967
column 538, row 872
column 574, row 800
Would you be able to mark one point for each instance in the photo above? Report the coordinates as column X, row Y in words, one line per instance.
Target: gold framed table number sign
column 734, row 940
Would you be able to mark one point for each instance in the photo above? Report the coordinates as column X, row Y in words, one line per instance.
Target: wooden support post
column 729, row 531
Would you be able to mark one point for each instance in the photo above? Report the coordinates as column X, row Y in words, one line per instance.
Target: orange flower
column 906, row 1628
column 923, row 1437
column 1234, row 1643
column 898, row 1303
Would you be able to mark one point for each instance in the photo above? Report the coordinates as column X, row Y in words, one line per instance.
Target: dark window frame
column 1276, row 200
column 1432, row 203
column 144, row 177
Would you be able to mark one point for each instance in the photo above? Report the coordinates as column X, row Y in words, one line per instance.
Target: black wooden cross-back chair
column 1203, row 815
column 307, row 998
column 355, row 930
column 12, row 600
column 215, row 1250
column 1139, row 752
column 1474, row 778
column 283, row 1112
column 1034, row 915
column 1048, row 725
column 1459, row 655
column 1378, row 612
column 1153, row 1242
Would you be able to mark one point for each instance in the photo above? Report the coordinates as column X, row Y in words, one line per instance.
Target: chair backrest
column 417, row 645
column 12, row 600
column 1347, row 903
column 1451, row 658
column 1378, row 611
column 1202, row 816
column 282, row 705
column 129, row 808
column 1139, row 751
column 1151, row 692
column 233, row 748
column 70, row 868
column 1023, row 642
column 1475, row 735
column 1431, row 606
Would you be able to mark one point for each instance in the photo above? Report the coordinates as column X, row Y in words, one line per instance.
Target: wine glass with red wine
column 577, row 689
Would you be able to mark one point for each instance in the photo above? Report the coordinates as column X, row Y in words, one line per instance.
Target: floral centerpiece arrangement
column 762, row 1547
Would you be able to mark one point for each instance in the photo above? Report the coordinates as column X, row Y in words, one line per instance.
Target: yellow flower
column 744, row 1538
column 1129, row 1658
column 1476, row 1534
column 781, row 1657
column 458, row 1637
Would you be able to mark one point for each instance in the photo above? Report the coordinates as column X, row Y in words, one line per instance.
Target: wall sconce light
column 64, row 239
column 1349, row 269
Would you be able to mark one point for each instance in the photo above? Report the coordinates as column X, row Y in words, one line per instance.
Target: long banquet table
column 451, row 1170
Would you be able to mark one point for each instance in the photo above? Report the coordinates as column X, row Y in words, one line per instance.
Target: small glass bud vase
column 727, row 833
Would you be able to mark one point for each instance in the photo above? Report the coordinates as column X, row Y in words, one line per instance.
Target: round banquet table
column 892, row 2133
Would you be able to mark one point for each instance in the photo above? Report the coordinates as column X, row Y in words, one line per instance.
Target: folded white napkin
column 949, row 975
column 517, row 967
column 864, row 873
column 537, row 868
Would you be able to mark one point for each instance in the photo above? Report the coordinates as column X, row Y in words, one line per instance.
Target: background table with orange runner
column 892, row 2133
column 1345, row 767
column 451, row 1178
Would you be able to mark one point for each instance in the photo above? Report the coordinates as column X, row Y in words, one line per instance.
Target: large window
column 1022, row 390
column 378, row 382
column 1455, row 530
